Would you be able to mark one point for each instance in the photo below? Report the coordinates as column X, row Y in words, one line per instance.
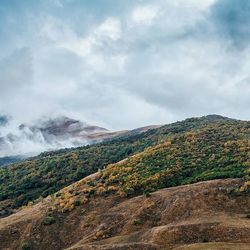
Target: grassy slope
column 174, row 154
column 220, row 150
column 168, row 218
column 217, row 151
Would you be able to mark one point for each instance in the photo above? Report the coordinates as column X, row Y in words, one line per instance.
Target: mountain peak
column 48, row 134
column 215, row 117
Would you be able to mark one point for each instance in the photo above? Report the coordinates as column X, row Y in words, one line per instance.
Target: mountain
column 184, row 185
column 5, row 161
column 51, row 171
column 62, row 128
column 48, row 134
column 52, row 134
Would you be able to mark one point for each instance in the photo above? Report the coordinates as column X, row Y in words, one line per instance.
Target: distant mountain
column 61, row 130
column 48, row 134
column 51, row 134
column 4, row 161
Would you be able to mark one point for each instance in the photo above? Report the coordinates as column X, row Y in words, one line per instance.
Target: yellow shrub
column 101, row 190
column 112, row 188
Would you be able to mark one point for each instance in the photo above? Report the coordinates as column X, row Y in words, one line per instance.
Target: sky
column 123, row 64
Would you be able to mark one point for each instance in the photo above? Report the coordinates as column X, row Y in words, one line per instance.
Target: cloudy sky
column 124, row 63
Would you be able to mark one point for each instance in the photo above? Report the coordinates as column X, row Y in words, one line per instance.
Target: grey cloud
column 232, row 19
column 16, row 71
column 179, row 64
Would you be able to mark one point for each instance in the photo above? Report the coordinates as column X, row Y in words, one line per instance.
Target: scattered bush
column 147, row 193
column 26, row 246
column 77, row 202
column 48, row 220
column 137, row 222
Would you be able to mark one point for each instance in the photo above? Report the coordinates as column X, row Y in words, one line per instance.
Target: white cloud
column 110, row 28
column 125, row 67
column 81, row 47
column 145, row 14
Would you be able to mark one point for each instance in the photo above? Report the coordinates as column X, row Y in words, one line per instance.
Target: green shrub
column 77, row 203
column 49, row 220
column 137, row 222
column 26, row 246
column 147, row 193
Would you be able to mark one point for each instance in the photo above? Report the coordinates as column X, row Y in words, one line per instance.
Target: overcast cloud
column 124, row 64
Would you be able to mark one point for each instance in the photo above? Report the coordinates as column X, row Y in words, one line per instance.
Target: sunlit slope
column 214, row 152
column 218, row 151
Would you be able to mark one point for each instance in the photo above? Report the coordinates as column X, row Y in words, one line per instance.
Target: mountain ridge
column 52, row 134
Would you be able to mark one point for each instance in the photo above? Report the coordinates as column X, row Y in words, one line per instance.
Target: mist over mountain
column 19, row 141
column 46, row 134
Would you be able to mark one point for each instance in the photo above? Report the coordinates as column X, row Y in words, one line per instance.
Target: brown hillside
column 205, row 215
